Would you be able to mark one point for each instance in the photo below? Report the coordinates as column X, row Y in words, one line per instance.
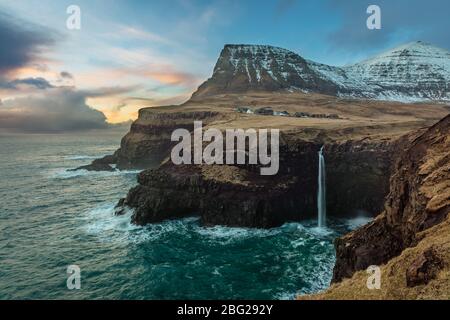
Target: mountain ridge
column 412, row 72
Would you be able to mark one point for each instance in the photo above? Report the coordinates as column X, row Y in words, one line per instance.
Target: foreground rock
column 410, row 240
column 419, row 198
column 424, row 268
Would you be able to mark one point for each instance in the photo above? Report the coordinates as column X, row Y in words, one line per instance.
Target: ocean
column 51, row 218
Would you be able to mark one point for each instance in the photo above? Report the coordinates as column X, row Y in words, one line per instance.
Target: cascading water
column 321, row 193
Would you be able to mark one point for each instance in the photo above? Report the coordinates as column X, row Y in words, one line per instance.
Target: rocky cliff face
column 149, row 141
column 412, row 72
column 419, row 199
column 242, row 68
column 240, row 196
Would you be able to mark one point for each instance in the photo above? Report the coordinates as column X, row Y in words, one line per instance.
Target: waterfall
column 321, row 193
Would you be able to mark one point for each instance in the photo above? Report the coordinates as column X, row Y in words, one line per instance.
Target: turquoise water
column 51, row 218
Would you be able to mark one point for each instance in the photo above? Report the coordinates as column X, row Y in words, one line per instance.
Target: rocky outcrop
column 235, row 198
column 419, row 199
column 102, row 164
column 148, row 142
column 240, row 196
column 424, row 268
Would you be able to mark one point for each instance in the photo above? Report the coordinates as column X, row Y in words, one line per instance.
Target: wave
column 306, row 254
column 321, row 231
column 104, row 224
column 309, row 227
column 229, row 234
column 104, row 219
column 300, row 232
column 82, row 157
column 286, row 296
column 67, row 174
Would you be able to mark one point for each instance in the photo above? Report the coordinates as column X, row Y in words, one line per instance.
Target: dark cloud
column 402, row 21
column 21, row 42
column 37, row 83
column 55, row 111
column 66, row 75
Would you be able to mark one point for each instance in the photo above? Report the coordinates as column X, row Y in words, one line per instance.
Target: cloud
column 55, row 111
column 171, row 77
column 140, row 34
column 107, row 91
column 402, row 21
column 21, row 42
column 37, row 83
column 65, row 75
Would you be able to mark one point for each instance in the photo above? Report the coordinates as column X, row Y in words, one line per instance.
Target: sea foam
column 358, row 222
column 67, row 174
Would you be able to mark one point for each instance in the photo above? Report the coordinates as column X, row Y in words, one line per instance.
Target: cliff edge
column 410, row 240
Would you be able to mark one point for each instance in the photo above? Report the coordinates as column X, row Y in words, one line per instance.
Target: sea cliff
column 410, row 239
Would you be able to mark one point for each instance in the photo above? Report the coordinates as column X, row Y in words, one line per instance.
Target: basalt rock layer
column 234, row 195
column 149, row 141
column 360, row 147
column 410, row 240
column 419, row 198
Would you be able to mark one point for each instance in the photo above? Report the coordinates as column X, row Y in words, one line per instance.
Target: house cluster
column 268, row 111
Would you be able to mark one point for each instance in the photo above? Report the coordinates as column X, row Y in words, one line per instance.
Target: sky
column 131, row 54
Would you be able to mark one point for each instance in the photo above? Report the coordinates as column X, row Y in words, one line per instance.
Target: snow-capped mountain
column 415, row 71
column 412, row 72
column 242, row 68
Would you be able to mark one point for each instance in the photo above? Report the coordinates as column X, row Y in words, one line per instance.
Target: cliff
column 240, row 196
column 360, row 147
column 266, row 76
column 148, row 142
column 374, row 150
column 410, row 239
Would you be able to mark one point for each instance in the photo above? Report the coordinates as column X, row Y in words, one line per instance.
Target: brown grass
column 359, row 118
column 393, row 274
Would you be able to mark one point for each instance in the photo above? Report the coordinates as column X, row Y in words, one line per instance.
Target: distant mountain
column 242, row 68
column 413, row 72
